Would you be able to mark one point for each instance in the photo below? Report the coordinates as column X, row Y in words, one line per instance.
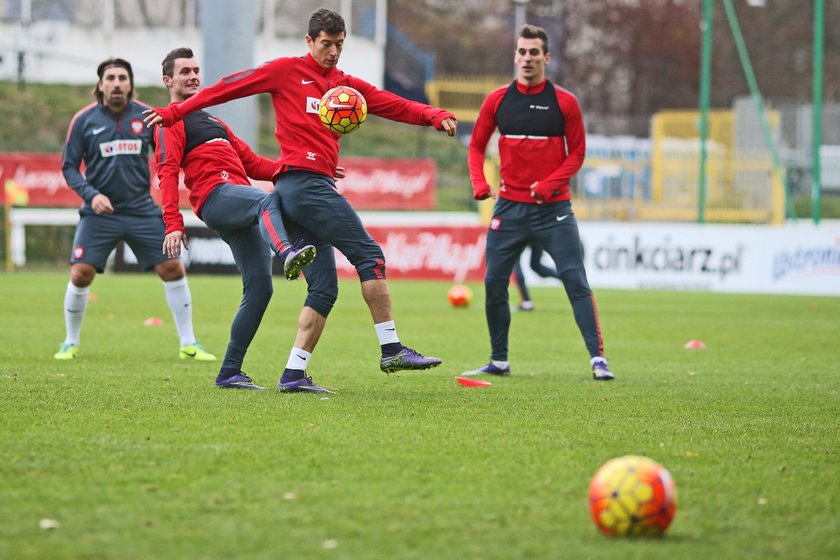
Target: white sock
column 597, row 359
column 75, row 304
column 500, row 364
column 386, row 332
column 180, row 303
column 298, row 359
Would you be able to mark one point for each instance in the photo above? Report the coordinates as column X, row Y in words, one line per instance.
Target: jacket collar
column 531, row 90
column 316, row 66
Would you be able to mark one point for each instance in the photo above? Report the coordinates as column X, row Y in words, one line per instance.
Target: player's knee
column 369, row 261
column 171, row 270
column 258, row 288
column 574, row 280
column 496, row 291
column 372, row 268
column 322, row 292
column 82, row 275
column 321, row 301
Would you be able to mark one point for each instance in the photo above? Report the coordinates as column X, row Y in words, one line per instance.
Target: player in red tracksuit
column 216, row 166
column 542, row 145
column 305, row 170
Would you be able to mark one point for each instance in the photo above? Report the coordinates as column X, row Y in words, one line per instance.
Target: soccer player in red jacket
column 542, row 144
column 306, row 167
column 216, row 167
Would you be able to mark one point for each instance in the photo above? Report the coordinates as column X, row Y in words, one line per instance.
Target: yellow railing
column 742, row 186
column 462, row 95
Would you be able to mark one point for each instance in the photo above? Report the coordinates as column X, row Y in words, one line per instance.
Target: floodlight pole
column 23, row 42
column 228, row 31
column 705, row 89
column 519, row 13
column 816, row 175
column 518, row 22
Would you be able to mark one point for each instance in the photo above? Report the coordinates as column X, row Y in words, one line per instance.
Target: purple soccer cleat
column 296, row 258
column 601, row 372
column 407, row 359
column 236, row 381
column 303, row 385
column 489, row 369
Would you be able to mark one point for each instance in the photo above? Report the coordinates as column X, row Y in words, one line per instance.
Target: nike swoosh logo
column 307, row 82
column 390, row 329
column 301, row 357
column 333, row 105
column 193, row 353
column 96, row 131
column 561, row 218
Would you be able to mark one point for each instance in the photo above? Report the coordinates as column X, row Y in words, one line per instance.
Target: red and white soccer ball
column 459, row 295
column 632, row 496
column 343, row 109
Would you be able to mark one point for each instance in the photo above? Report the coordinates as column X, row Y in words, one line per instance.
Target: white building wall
column 58, row 52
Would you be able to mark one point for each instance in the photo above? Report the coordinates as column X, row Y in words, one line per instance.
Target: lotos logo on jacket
column 120, row 147
column 313, row 104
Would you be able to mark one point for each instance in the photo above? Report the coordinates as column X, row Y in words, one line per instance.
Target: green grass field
column 137, row 455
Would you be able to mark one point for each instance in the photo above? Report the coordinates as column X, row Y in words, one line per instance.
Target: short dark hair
column 168, row 64
column 325, row 20
column 112, row 63
column 533, row 32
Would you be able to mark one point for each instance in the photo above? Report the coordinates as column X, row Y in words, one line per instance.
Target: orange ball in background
column 459, row 295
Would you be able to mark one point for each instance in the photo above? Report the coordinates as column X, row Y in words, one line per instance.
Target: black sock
column 391, row 349
column 290, row 375
column 227, row 373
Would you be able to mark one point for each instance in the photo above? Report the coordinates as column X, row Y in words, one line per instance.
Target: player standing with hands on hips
column 109, row 138
column 304, row 178
column 542, row 145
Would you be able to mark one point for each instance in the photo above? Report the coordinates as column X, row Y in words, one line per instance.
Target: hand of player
column 162, row 116
column 172, row 244
column 340, row 172
column 449, row 125
column 101, row 204
column 534, row 194
column 152, row 118
column 484, row 193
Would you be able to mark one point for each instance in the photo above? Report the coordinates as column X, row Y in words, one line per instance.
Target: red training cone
column 470, row 382
column 694, row 344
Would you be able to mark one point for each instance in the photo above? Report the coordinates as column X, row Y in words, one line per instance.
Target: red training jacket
column 296, row 85
column 542, row 139
column 210, row 154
